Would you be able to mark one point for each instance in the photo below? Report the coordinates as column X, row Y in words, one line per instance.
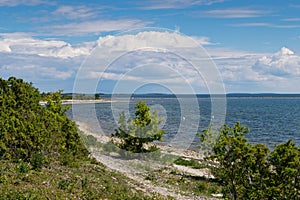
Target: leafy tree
column 208, row 139
column 232, row 153
column 28, row 129
column 144, row 128
column 285, row 174
column 249, row 171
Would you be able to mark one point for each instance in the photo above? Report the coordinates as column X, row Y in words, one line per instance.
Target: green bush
column 63, row 184
column 144, row 128
column 249, row 171
column 37, row 161
column 23, row 167
column 192, row 163
column 26, row 127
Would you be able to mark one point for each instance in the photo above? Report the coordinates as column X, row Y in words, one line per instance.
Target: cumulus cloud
column 258, row 72
column 236, row 66
column 44, row 62
column 148, row 39
column 152, row 56
column 24, row 44
column 284, row 63
column 4, row 47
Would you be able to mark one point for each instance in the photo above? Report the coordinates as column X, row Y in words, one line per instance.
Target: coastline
column 186, row 153
column 139, row 169
column 75, row 101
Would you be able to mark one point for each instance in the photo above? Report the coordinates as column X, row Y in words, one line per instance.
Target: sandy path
column 129, row 168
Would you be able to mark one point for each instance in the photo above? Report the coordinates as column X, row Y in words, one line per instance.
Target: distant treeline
column 229, row 95
column 77, row 96
column 82, row 96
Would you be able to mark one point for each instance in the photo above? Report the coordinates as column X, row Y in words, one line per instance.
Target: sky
column 174, row 46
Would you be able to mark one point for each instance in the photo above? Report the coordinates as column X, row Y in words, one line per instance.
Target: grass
column 190, row 163
column 184, row 184
column 164, row 177
column 90, row 180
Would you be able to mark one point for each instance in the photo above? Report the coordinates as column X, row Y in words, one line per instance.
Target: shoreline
column 186, row 153
column 75, row 101
column 139, row 169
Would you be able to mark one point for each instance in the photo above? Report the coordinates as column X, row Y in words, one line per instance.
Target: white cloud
column 261, row 24
column 40, row 61
column 291, row 19
column 203, row 40
column 75, row 12
column 235, row 66
column 284, row 63
column 31, row 71
column 19, row 43
column 151, row 57
column 4, row 47
column 147, row 38
column 164, row 62
column 258, row 72
column 234, row 13
column 175, row 4
column 94, row 27
column 12, row 3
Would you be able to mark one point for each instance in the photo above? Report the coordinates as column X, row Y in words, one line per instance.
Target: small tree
column 97, row 96
column 249, row 171
column 140, row 130
column 232, row 152
column 285, row 176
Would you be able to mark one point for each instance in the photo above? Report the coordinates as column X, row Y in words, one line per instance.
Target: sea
column 272, row 118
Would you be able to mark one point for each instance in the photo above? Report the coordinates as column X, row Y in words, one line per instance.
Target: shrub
column 37, row 161
column 249, row 171
column 144, row 128
column 26, row 127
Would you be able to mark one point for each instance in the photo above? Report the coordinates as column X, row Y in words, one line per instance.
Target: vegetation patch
column 55, row 181
column 251, row 171
column 42, row 155
column 184, row 184
column 190, row 163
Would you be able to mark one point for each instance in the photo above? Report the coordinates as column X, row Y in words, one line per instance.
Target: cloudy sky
column 177, row 46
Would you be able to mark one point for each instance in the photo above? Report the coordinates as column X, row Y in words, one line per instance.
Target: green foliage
column 249, row 171
column 188, row 162
column 285, row 174
column 23, row 167
column 97, row 96
column 208, row 138
column 144, row 128
column 37, row 161
column 89, row 181
column 28, row 129
column 193, row 186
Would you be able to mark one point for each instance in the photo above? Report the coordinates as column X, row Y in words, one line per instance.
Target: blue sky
column 255, row 45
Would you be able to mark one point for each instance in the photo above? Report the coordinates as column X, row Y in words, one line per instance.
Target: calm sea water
column 271, row 120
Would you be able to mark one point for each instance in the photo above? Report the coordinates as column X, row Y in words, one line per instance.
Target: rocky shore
column 137, row 169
